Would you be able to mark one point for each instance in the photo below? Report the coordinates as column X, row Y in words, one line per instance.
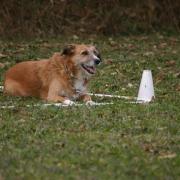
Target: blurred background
column 38, row 18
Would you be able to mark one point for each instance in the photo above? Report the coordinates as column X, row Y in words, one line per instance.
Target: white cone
column 146, row 89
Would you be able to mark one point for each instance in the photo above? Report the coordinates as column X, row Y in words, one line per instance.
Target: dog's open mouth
column 89, row 69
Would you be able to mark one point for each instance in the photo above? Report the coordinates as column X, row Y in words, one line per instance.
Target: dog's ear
column 68, row 50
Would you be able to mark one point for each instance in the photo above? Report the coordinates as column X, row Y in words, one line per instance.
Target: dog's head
column 86, row 57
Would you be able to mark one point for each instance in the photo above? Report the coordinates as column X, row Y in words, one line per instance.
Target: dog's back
column 23, row 78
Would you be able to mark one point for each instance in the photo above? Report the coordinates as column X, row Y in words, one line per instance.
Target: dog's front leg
column 87, row 99
column 53, row 94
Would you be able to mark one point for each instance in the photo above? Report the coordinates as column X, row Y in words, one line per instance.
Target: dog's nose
column 97, row 61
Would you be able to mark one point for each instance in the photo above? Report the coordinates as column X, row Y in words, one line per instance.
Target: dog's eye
column 85, row 53
column 97, row 54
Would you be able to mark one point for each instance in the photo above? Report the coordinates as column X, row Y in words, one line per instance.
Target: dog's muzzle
column 89, row 69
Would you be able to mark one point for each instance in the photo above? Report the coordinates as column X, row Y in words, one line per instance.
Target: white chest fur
column 79, row 85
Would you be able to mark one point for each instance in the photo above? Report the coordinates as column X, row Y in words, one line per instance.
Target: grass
column 119, row 141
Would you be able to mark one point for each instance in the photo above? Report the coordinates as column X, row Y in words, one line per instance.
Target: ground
column 119, row 141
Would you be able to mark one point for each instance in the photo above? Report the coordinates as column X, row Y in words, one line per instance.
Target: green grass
column 119, row 141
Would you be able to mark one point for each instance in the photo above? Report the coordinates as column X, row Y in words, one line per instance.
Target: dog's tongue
column 91, row 69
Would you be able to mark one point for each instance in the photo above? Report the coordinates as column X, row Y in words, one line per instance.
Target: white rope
column 113, row 96
column 91, row 94
column 104, row 95
column 75, row 104
column 58, row 105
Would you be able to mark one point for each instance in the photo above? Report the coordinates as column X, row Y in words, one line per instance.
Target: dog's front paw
column 90, row 103
column 68, row 102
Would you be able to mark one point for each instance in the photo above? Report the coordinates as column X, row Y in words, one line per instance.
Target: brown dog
column 62, row 78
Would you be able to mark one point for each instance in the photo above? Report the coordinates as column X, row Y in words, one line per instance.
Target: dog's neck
column 74, row 74
column 77, row 77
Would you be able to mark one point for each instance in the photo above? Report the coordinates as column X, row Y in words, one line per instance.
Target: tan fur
column 53, row 79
